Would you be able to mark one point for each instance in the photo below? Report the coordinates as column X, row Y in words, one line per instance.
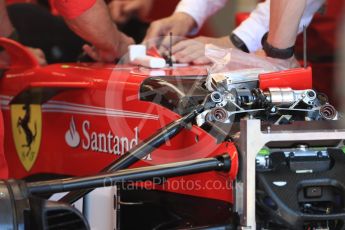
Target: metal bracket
column 253, row 138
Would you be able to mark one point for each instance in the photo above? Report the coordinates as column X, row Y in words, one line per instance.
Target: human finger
column 39, row 55
column 188, row 55
column 203, row 60
column 91, row 52
column 182, row 45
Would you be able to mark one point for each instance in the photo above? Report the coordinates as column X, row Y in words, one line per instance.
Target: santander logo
column 72, row 136
column 102, row 142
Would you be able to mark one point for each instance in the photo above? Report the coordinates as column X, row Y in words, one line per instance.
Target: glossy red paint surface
column 101, row 103
column 3, row 162
column 298, row 79
column 92, row 114
column 21, row 57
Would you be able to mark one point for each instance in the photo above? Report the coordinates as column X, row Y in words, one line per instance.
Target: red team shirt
column 67, row 8
column 72, row 8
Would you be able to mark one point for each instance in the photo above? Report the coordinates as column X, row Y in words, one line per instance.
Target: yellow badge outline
column 26, row 121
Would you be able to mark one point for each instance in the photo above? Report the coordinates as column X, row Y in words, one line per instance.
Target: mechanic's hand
column 193, row 50
column 102, row 55
column 39, row 55
column 289, row 63
column 179, row 24
column 122, row 10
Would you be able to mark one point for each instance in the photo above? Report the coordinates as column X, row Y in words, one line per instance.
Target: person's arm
column 249, row 32
column 278, row 45
column 199, row 10
column 7, row 30
column 252, row 29
column 285, row 16
column 122, row 11
column 188, row 18
column 6, row 27
column 90, row 19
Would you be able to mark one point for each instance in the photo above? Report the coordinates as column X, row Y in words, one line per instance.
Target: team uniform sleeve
column 72, row 8
column 252, row 29
column 199, row 10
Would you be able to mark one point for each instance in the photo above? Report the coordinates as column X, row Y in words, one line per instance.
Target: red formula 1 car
column 171, row 140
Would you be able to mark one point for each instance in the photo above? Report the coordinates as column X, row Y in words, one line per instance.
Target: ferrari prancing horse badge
column 26, row 128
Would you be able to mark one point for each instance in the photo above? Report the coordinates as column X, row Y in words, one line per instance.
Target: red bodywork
column 300, row 78
column 104, row 99
column 101, row 103
column 3, row 162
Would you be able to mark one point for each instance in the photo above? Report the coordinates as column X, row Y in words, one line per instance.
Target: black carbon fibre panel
column 282, row 186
